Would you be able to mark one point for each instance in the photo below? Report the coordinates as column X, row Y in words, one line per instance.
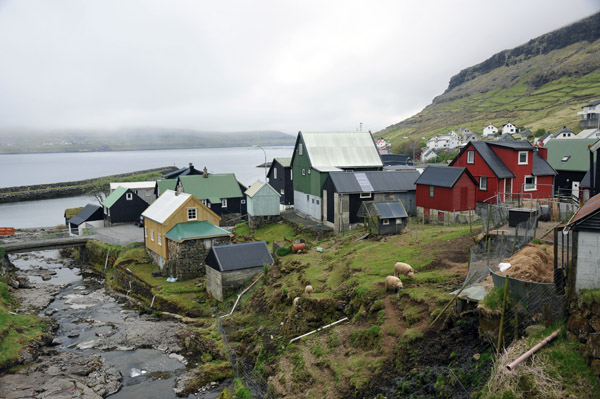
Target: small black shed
column 387, row 217
column 123, row 206
column 90, row 213
column 229, row 266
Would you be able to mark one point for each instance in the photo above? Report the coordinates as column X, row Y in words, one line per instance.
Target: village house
column 230, row 266
column 91, row 215
column 344, row 192
column 189, row 171
column 163, row 185
column 383, row 217
column 444, row 141
column 428, row 155
column 262, row 204
column 590, row 115
column 221, row 192
column 506, row 168
column 123, row 206
column 318, row 154
column 164, row 214
column 570, row 159
column 144, row 189
column 543, row 140
column 490, row 131
column 446, row 194
column 280, row 178
column 564, row 133
column 509, row 128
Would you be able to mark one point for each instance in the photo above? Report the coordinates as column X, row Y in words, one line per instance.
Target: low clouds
column 241, row 65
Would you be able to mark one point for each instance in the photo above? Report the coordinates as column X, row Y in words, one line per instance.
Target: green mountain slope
column 539, row 85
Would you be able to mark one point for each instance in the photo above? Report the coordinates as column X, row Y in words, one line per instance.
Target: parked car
column 140, row 222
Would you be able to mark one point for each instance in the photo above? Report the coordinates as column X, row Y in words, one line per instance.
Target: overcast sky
column 249, row 65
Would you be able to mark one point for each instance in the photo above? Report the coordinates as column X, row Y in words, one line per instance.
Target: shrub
column 366, row 339
column 283, row 251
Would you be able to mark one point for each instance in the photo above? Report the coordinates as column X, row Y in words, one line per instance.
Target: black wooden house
column 280, row 178
column 123, row 206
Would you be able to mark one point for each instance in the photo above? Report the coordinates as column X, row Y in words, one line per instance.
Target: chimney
column 205, row 172
column 543, row 152
column 191, row 165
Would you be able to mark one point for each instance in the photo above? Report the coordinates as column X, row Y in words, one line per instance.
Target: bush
column 366, row 339
column 283, row 251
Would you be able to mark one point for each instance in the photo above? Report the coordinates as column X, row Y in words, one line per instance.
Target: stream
column 134, row 356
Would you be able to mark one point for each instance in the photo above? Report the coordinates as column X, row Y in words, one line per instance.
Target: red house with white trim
column 445, row 191
column 506, row 168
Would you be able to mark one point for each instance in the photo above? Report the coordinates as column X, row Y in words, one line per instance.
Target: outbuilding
column 230, row 266
column 385, row 217
column 262, row 203
column 90, row 215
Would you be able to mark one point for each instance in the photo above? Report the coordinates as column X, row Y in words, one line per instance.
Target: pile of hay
column 532, row 263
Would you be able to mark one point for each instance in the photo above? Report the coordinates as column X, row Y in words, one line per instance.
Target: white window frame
column 223, row 202
column 431, row 191
column 159, row 239
column 151, row 235
column 482, row 186
column 192, row 214
column 129, row 196
column 398, row 221
column 385, row 222
column 204, row 202
column 303, row 172
column 365, row 195
column 282, row 191
column 309, row 171
column 470, row 157
column 242, row 201
column 534, row 188
column 526, row 158
column 275, row 173
column 291, row 174
column 299, row 148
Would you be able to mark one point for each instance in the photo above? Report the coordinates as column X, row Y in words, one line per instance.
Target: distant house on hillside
column 564, row 133
column 543, row 140
column 509, row 128
column 280, row 178
column 490, row 131
column 123, row 206
column 590, row 115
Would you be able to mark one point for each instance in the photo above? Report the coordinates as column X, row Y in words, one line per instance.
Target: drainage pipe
column 531, row 351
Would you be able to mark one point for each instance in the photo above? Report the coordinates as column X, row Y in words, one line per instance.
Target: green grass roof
column 575, row 149
column 214, row 187
column 198, row 229
column 166, row 184
column 114, row 196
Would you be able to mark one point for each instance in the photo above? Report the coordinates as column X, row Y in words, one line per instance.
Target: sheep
column 393, row 283
column 403, row 268
column 308, row 289
column 296, row 301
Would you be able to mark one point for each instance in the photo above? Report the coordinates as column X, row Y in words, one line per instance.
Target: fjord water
column 28, row 169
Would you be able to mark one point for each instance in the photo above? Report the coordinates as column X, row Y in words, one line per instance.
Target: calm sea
column 26, row 169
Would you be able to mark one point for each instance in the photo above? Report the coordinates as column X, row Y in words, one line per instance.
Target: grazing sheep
column 393, row 283
column 308, row 289
column 296, row 301
column 403, row 268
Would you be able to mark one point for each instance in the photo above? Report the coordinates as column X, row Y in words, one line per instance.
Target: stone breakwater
column 64, row 189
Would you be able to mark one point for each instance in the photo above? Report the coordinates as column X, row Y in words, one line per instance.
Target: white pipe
column 240, row 296
column 318, row 329
column 531, row 351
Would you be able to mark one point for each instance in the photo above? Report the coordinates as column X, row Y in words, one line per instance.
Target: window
column 274, row 173
column 565, row 158
column 204, row 202
column 530, row 183
column 129, row 196
column 398, row 221
column 385, row 221
column 291, row 174
column 483, row 183
column 282, row 191
column 313, row 200
column 365, row 195
column 192, row 214
column 243, row 201
column 431, row 193
column 152, row 235
column 470, row 157
column 523, row 157
column 105, row 210
column 299, row 148
column 317, row 202
column 224, row 203
column 159, row 239
column 309, row 171
column 303, row 172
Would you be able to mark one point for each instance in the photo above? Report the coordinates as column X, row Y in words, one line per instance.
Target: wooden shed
column 230, row 266
column 89, row 215
column 385, row 217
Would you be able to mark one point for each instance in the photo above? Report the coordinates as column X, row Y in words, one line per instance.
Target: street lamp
column 414, row 144
column 265, row 164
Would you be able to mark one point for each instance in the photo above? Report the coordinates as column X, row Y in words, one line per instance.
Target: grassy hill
column 539, row 85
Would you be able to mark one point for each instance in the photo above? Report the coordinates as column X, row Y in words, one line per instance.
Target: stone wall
column 217, row 283
column 256, row 222
column 584, row 325
column 186, row 259
column 448, row 217
column 230, row 219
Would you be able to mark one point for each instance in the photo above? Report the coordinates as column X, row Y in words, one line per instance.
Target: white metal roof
column 133, row 185
column 341, row 150
column 165, row 205
column 255, row 188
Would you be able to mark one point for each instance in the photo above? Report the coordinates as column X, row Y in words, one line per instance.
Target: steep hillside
column 541, row 84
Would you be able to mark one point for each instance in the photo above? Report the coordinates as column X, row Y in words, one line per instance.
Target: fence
column 7, row 231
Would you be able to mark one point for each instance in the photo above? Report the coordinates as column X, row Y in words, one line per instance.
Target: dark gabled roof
column 589, row 209
column 490, row 157
column 380, row 181
column 541, row 167
column 284, row 162
column 190, row 170
column 505, row 137
column 443, row 176
column 592, row 104
column 394, row 159
column 585, row 182
column 563, row 130
column 545, row 136
column 86, row 214
column 226, row 258
column 383, row 209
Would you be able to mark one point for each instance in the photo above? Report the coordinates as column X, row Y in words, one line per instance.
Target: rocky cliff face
column 587, row 30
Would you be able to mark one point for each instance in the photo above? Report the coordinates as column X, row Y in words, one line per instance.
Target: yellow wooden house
column 167, row 211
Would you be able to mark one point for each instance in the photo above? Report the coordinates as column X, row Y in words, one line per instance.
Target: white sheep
column 308, row 289
column 393, row 283
column 403, row 268
column 296, row 301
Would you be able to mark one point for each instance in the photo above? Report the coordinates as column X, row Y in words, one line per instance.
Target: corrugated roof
column 592, row 104
column 493, row 160
column 390, row 209
column 513, row 145
column 575, row 149
column 346, row 182
column 84, row 214
column 194, row 230
column 541, row 167
column 167, row 184
column 442, row 176
column 240, row 256
column 563, row 130
column 285, row 162
column 134, row 185
column 165, row 205
column 590, row 208
column 341, row 150
column 394, row 159
column 257, row 186
column 214, row 187
column 114, row 196
column 190, row 170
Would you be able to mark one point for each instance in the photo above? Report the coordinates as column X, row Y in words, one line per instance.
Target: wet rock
column 73, row 334
column 23, row 282
column 579, row 326
column 56, row 342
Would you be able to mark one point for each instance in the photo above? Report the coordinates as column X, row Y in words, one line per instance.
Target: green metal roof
column 574, row 152
column 214, row 187
column 192, row 230
column 166, row 184
column 114, row 196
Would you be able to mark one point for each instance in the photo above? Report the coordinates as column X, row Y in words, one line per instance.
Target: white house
column 564, row 133
column 590, row 115
column 509, row 128
column 542, row 141
column 428, row 155
column 444, row 141
column 490, row 131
